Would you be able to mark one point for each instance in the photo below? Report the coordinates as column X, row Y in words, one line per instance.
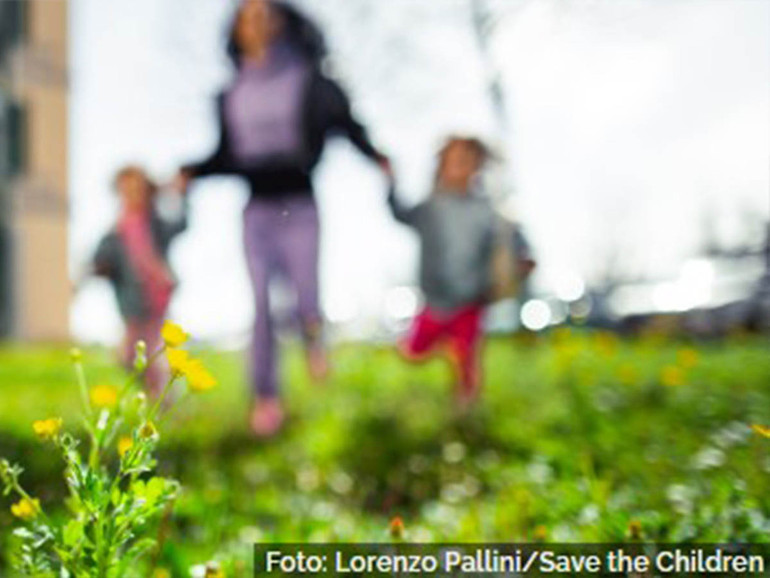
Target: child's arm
column 104, row 261
column 173, row 214
column 525, row 261
column 401, row 213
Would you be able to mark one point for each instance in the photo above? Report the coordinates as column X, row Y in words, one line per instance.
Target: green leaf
column 155, row 488
column 72, row 533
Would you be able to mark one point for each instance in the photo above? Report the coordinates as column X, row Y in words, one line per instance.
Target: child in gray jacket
column 457, row 235
column 133, row 256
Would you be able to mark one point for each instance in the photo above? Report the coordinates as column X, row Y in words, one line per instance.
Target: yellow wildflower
column 173, row 335
column 396, row 528
column 635, row 530
column 199, row 379
column 125, row 443
column 540, row 534
column 47, row 429
column 161, row 573
column 687, row 358
column 177, row 361
column 104, row 396
column 762, row 430
column 148, row 431
column 26, row 509
column 672, row 376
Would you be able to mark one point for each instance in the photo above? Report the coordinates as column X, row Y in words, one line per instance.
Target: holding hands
column 181, row 182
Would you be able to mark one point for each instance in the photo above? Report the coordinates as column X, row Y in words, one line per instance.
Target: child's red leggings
column 149, row 332
column 460, row 330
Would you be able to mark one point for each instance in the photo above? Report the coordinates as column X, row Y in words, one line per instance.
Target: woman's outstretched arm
column 218, row 162
column 339, row 118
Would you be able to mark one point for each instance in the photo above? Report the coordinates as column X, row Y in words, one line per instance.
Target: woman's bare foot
column 267, row 418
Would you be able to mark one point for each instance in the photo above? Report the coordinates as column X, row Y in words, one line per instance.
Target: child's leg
column 465, row 341
column 128, row 347
column 425, row 332
column 156, row 375
column 149, row 332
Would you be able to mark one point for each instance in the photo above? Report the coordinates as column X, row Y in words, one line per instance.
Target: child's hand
column 181, row 182
column 386, row 167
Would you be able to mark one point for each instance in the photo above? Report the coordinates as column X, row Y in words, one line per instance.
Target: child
column 457, row 235
column 133, row 256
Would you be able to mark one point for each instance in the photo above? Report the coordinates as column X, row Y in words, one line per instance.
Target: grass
column 580, row 437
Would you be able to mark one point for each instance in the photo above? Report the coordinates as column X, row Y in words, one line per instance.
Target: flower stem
column 161, row 397
column 83, row 387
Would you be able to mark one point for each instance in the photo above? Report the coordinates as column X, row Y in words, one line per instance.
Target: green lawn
column 579, row 437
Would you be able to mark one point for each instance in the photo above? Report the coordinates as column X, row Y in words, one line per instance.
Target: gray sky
column 630, row 122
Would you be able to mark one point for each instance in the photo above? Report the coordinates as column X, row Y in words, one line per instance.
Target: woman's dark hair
column 298, row 30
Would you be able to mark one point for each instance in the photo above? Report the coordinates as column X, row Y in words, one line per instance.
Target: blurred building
column 34, row 282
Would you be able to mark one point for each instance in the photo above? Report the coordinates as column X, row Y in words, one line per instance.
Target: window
column 17, row 139
column 12, row 25
column 13, row 130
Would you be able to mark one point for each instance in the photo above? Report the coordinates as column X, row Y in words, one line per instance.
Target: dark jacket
column 111, row 261
column 326, row 112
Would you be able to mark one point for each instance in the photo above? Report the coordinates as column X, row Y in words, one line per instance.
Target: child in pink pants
column 456, row 228
column 134, row 257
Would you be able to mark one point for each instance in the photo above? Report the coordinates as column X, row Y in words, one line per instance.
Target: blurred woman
column 274, row 120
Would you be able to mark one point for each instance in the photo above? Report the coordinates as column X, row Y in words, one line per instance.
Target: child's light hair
column 482, row 151
column 137, row 171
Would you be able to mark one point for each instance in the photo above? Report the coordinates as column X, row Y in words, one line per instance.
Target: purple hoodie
column 263, row 108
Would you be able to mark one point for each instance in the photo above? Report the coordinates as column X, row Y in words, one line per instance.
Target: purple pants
column 281, row 239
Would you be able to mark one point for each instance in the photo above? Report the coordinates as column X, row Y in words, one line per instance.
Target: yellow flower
column 177, row 361
column 47, row 429
column 148, row 431
column 540, row 534
column 26, row 509
column 673, row 376
column 173, row 335
column 104, row 396
column 199, row 379
column 396, row 528
column 125, row 443
column 635, row 530
column 687, row 358
column 762, row 430
column 161, row 573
